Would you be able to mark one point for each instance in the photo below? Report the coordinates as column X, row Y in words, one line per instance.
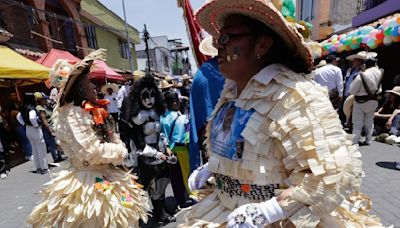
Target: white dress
column 93, row 192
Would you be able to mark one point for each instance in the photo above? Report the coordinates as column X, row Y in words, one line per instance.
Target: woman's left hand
column 285, row 194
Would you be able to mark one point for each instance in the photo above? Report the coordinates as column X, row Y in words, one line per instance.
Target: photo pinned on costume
column 229, row 123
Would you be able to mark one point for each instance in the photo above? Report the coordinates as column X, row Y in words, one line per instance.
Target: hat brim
column 78, row 71
column 112, row 86
column 206, row 47
column 212, row 15
column 348, row 106
column 353, row 57
column 392, row 91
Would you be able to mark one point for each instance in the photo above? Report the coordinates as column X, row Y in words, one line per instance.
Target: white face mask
column 148, row 97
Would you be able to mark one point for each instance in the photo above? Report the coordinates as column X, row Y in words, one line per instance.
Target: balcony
column 371, row 10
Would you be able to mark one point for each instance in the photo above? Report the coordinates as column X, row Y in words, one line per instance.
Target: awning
column 16, row 66
column 102, row 71
column 53, row 55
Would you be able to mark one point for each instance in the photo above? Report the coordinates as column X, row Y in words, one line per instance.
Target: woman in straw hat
column 287, row 161
column 382, row 116
column 93, row 192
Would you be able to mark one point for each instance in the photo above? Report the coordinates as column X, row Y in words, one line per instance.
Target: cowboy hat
column 395, row 90
column 211, row 17
column 186, row 77
column 164, row 84
column 107, row 86
column 321, row 64
column 137, row 74
column 348, row 107
column 363, row 55
column 77, row 71
column 206, row 47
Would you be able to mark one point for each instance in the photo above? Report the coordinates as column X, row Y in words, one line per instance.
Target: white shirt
column 32, row 118
column 330, row 76
column 372, row 77
column 113, row 106
column 122, row 93
column 53, row 94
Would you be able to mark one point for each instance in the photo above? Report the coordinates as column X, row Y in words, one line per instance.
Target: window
column 166, row 62
column 91, row 36
column 307, row 10
column 124, row 49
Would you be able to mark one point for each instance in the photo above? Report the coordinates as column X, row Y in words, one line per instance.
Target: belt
column 233, row 187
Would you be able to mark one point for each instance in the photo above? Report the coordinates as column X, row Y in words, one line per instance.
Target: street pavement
column 19, row 192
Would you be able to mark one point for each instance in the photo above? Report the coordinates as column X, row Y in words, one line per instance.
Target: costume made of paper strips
column 93, row 192
column 281, row 131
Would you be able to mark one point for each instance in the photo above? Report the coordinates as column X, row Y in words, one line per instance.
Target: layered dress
column 93, row 192
column 284, row 132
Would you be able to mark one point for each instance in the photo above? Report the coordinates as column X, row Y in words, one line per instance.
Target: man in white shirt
column 112, row 107
column 365, row 87
column 330, row 76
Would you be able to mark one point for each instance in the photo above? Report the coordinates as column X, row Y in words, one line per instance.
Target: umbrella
column 102, row 71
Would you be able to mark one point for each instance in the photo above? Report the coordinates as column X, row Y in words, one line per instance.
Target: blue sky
column 162, row 17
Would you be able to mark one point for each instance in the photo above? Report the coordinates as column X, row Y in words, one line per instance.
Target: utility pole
column 128, row 40
column 146, row 38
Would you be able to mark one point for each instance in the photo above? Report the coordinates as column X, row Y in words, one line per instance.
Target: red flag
column 194, row 31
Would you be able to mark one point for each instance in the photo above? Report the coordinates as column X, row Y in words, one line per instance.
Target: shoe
column 29, row 158
column 59, row 160
column 3, row 176
column 397, row 165
column 44, row 171
column 37, row 171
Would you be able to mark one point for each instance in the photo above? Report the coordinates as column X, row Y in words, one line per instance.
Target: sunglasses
column 225, row 38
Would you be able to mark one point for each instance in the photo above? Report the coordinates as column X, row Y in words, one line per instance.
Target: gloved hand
column 254, row 215
column 199, row 177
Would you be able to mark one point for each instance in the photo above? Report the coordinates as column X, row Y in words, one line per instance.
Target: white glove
column 199, row 177
column 256, row 214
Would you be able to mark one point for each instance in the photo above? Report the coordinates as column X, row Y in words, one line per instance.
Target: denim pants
column 25, row 144
column 50, row 143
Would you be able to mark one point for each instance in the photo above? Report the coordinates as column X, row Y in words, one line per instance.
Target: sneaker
column 397, row 165
column 44, row 171
column 3, row 176
column 29, row 158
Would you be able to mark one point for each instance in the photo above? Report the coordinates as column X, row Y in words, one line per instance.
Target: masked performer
column 144, row 106
column 287, row 161
column 93, row 192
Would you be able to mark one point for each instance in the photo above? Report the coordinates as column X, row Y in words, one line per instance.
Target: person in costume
column 94, row 191
column 149, row 152
column 298, row 167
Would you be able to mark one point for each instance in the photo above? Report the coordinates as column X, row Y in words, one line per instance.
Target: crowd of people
column 355, row 89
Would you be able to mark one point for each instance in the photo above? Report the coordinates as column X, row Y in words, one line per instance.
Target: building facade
column 38, row 26
column 105, row 29
column 159, row 54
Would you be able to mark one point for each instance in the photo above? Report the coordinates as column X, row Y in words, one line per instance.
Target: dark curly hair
column 133, row 101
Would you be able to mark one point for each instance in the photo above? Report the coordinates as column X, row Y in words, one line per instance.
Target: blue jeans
column 25, row 144
column 50, row 143
column 394, row 129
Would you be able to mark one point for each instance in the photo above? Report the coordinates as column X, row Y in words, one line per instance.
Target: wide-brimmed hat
column 107, row 86
column 363, row 55
column 206, row 47
column 186, row 77
column 59, row 72
column 211, row 17
column 395, row 90
column 138, row 74
column 77, row 71
column 165, row 85
column 348, row 106
column 321, row 63
column 168, row 78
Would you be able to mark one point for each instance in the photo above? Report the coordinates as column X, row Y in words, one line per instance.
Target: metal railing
column 364, row 5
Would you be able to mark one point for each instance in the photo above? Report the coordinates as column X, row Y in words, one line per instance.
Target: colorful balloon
column 387, row 41
column 388, row 31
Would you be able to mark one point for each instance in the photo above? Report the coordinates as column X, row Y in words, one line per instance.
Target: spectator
column 365, row 88
column 22, row 138
column 173, row 125
column 330, row 76
column 110, row 90
column 4, row 147
column 34, row 132
column 47, row 126
column 384, row 113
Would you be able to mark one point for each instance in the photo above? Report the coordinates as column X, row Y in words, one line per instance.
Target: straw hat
column 211, row 17
column 59, row 72
column 77, row 71
column 164, row 84
column 321, row 64
column 138, row 74
column 186, row 77
column 206, row 47
column 363, row 55
column 107, row 86
column 395, row 90
column 168, row 78
column 348, row 106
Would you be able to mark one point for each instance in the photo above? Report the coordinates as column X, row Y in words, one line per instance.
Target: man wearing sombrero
column 287, row 161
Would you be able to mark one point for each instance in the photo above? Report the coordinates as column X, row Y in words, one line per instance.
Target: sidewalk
column 19, row 192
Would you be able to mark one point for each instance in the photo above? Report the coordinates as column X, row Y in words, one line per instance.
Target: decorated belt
column 250, row 191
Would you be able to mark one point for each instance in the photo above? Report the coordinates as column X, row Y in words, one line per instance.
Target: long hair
column 133, row 101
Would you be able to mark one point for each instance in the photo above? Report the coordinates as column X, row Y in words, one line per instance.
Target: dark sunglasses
column 225, row 38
